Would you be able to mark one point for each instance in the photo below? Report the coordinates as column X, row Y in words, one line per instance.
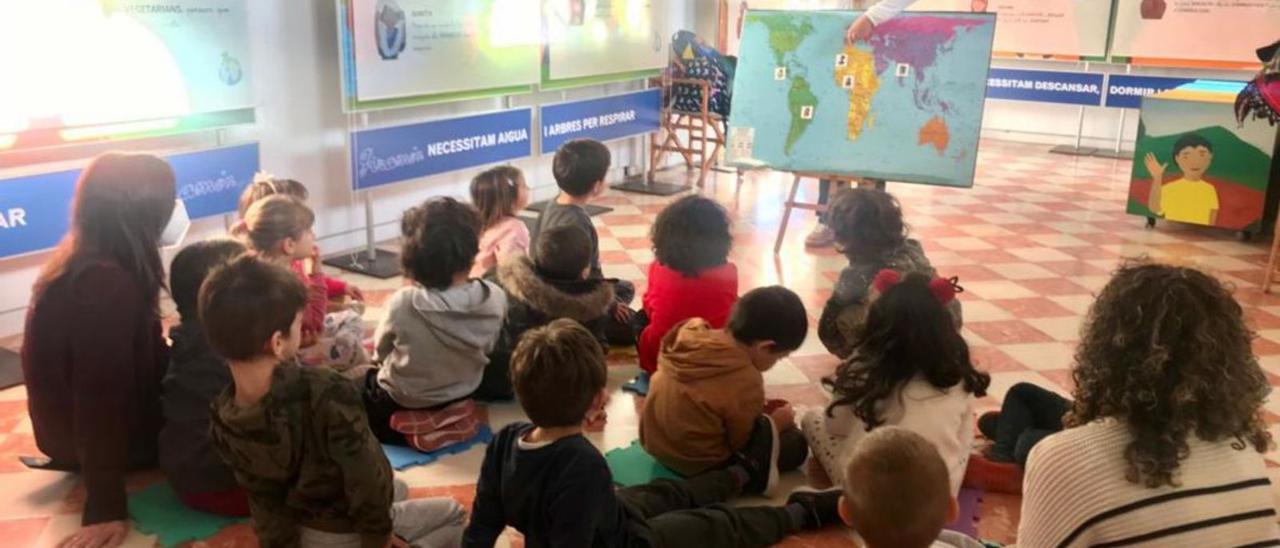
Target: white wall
column 302, row 131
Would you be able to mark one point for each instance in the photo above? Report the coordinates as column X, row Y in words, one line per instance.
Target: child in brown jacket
column 709, row 388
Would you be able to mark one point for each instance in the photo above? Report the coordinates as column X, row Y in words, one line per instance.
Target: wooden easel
column 838, row 181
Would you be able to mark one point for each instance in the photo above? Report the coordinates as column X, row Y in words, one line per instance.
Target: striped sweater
column 1075, row 494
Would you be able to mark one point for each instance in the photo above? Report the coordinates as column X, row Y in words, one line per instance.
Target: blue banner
column 1042, row 86
column 35, row 211
column 1126, row 91
column 603, row 119
column 390, row 155
column 210, row 181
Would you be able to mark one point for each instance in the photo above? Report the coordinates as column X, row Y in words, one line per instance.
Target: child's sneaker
column 436, row 440
column 821, row 507
column 760, row 458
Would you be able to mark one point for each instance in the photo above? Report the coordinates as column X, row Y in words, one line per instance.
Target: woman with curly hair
column 691, row 276
column 910, row 368
column 869, row 230
column 1163, row 444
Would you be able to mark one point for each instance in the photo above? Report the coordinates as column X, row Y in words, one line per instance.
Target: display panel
column 78, row 70
column 587, row 38
column 1195, row 30
column 407, row 48
column 1075, row 28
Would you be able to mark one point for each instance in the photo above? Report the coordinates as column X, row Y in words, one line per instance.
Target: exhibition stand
column 391, row 55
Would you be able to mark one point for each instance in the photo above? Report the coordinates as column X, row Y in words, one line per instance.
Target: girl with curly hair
column 690, row 277
column 910, row 367
column 1164, row 441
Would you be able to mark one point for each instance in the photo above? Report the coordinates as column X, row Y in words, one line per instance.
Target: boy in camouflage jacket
column 297, row 438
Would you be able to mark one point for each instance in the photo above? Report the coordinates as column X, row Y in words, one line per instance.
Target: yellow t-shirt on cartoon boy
column 1189, row 201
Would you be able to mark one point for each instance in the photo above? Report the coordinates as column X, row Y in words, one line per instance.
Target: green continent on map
column 861, row 67
column 785, row 34
column 799, row 97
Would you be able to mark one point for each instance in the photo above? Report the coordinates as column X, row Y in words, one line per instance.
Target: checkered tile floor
column 1031, row 242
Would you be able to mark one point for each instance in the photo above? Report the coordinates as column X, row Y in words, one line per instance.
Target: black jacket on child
column 535, row 300
column 195, row 378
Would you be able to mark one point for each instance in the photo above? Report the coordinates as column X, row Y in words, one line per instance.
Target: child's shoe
column 821, row 507
column 760, row 458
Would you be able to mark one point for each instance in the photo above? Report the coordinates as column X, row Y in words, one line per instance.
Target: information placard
column 400, row 153
column 407, row 48
column 1046, row 86
column 1126, row 91
column 210, row 181
column 598, row 37
column 1040, row 27
column 1199, row 30
column 603, row 119
column 35, row 210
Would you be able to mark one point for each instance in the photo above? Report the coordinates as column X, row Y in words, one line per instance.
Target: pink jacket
column 509, row 236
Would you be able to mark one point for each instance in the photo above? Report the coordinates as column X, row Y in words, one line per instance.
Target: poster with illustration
column 1219, row 31
column 1211, row 170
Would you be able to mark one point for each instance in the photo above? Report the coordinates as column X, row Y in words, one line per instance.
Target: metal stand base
column 592, row 209
column 640, row 185
column 10, row 368
column 384, row 266
column 1070, row 150
column 1109, row 153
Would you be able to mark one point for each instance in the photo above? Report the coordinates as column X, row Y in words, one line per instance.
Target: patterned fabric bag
column 1261, row 98
column 692, row 59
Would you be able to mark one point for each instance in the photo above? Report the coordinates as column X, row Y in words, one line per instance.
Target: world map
column 904, row 105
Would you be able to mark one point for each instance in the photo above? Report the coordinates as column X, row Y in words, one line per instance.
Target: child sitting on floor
column 910, row 368
column 297, row 437
column 896, row 493
column 278, row 229
column 550, row 483
column 264, row 185
column 690, row 277
column 499, row 193
column 709, row 389
column 580, row 168
column 553, row 283
column 432, row 346
column 869, row 230
column 195, row 377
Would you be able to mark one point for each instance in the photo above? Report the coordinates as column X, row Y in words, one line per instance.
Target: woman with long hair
column 1163, row 444
column 93, row 354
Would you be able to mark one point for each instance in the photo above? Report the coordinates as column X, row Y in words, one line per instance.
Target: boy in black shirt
column 548, row 481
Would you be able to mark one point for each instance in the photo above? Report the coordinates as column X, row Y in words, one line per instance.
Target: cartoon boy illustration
column 1189, row 199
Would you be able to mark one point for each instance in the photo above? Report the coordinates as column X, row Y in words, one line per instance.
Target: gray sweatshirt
column 432, row 346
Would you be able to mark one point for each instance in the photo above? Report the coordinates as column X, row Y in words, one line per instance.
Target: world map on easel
column 906, row 105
